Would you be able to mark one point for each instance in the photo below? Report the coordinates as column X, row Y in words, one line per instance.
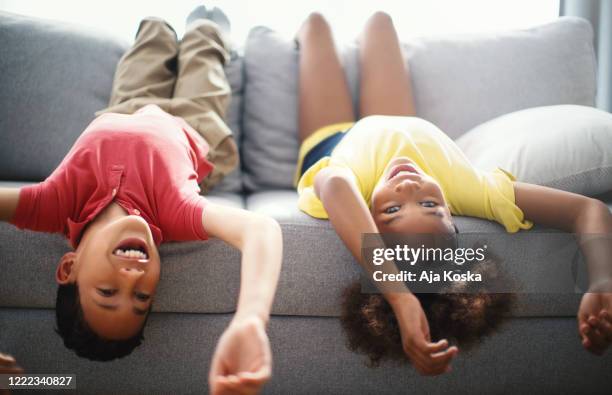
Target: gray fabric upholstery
column 311, row 283
column 270, row 114
column 53, row 77
column 500, row 73
column 538, row 355
column 234, row 71
column 555, row 146
column 50, row 105
column 204, row 277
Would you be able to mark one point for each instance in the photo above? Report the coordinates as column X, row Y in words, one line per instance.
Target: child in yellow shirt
column 392, row 172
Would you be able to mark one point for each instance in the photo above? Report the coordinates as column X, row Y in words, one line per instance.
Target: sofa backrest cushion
column 53, row 78
column 235, row 75
column 458, row 82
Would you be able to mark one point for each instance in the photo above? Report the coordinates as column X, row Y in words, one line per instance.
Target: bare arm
column 9, row 197
column 589, row 218
column 260, row 241
column 562, row 210
column 242, row 362
column 351, row 218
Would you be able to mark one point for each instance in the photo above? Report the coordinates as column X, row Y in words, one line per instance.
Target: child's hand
column 428, row 358
column 595, row 320
column 242, row 363
column 8, row 365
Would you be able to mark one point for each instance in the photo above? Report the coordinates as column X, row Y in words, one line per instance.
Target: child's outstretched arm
column 591, row 220
column 242, row 361
column 9, row 197
column 351, row 218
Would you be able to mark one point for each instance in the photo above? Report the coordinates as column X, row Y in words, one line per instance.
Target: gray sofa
column 54, row 76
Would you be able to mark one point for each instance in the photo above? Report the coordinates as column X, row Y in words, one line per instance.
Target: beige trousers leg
column 185, row 80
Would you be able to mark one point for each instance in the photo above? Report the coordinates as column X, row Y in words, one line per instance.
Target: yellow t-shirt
column 374, row 141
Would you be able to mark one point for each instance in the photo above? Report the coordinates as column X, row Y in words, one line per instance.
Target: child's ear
column 64, row 269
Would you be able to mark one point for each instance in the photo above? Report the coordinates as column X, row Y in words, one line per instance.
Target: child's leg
column 148, row 69
column 385, row 83
column 202, row 54
column 202, row 93
column 324, row 96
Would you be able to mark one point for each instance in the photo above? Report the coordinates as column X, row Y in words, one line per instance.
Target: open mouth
column 132, row 249
column 406, row 167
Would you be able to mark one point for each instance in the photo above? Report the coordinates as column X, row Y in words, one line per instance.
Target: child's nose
column 131, row 273
column 407, row 186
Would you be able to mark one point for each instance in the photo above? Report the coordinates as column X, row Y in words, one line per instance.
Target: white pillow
column 567, row 147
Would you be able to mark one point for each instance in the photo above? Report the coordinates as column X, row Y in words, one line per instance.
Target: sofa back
column 54, row 76
column 458, row 83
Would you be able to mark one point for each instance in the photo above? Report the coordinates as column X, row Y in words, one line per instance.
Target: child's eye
column 392, row 209
column 428, row 203
column 106, row 292
column 142, row 297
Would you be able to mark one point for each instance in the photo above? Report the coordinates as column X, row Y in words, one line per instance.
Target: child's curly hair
column 463, row 313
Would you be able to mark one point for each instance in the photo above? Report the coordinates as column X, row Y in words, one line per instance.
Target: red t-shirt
column 149, row 162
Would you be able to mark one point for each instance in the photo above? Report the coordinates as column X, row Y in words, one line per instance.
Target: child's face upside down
column 406, row 200
column 116, row 267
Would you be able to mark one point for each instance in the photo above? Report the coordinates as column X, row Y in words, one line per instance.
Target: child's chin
column 132, row 226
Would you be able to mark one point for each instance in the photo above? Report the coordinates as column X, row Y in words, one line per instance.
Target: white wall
column 412, row 17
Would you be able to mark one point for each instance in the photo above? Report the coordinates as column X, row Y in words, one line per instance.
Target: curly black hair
column 463, row 315
column 78, row 336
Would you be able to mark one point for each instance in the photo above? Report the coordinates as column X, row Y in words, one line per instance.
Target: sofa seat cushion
column 317, row 266
column 204, row 277
column 196, row 276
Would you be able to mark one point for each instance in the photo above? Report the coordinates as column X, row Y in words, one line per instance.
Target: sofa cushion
column 317, row 266
column 270, row 110
column 204, row 277
column 311, row 357
column 557, row 146
column 53, row 77
column 235, row 75
column 196, row 276
column 499, row 73
column 463, row 81
column 57, row 76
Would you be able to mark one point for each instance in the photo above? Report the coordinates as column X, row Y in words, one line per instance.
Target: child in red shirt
column 130, row 182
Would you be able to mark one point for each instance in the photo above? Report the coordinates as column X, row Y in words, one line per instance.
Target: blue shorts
column 321, row 150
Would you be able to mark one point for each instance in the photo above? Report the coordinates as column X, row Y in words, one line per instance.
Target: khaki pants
column 185, row 79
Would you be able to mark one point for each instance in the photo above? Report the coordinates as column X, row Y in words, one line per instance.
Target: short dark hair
column 462, row 318
column 77, row 334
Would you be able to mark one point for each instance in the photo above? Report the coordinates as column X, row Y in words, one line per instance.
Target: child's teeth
column 130, row 253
